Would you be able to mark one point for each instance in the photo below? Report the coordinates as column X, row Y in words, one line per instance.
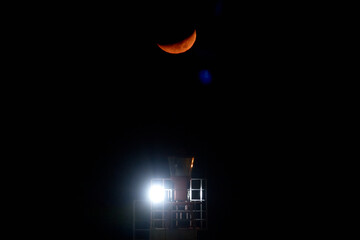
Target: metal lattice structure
column 170, row 215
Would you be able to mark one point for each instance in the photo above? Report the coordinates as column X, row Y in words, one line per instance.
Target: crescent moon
column 179, row 47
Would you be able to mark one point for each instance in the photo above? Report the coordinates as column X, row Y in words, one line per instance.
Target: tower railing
column 171, row 214
column 175, row 214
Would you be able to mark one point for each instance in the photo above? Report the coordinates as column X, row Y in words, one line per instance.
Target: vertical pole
column 191, row 214
column 163, row 207
column 187, row 213
column 201, row 222
column 177, row 215
column 206, row 208
column 201, row 195
column 151, row 212
column 190, row 189
column 201, row 203
column 181, row 214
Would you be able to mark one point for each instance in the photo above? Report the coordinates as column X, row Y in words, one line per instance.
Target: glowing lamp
column 156, row 194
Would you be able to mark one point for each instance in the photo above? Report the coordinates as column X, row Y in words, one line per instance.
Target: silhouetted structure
column 182, row 211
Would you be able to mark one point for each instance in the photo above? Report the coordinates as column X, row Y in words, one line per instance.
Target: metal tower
column 177, row 208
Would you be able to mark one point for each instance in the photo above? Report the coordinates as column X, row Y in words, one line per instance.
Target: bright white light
column 156, row 193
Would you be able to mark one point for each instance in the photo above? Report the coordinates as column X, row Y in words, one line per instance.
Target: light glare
column 156, row 193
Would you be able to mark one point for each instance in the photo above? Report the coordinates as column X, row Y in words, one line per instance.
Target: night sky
column 115, row 106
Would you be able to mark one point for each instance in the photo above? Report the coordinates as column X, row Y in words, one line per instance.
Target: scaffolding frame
column 191, row 214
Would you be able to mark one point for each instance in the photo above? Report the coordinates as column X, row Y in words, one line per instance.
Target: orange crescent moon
column 180, row 47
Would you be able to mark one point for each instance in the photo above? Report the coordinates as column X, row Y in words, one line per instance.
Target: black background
column 106, row 107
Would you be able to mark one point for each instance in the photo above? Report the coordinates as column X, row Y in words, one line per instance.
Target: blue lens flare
column 205, row 76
